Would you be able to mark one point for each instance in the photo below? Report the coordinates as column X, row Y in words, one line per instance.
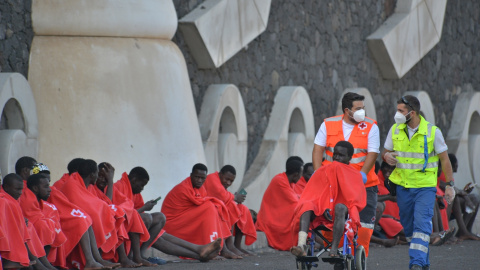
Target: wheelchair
column 347, row 260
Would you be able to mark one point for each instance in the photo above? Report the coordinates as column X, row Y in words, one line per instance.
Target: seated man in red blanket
column 13, row 245
column 106, row 227
column 307, row 173
column 44, row 217
column 77, row 226
column 240, row 218
column 133, row 223
column 127, row 190
column 194, row 216
column 278, row 206
column 334, row 192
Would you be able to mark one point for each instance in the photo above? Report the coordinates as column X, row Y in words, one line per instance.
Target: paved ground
column 464, row 255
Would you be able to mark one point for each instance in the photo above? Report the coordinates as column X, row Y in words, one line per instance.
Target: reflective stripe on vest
column 417, row 161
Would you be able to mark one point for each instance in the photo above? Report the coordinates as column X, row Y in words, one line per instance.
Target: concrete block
column 217, row 30
column 105, row 18
column 19, row 126
column 407, row 36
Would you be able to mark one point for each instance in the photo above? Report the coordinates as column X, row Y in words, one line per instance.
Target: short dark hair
column 199, row 167
column 293, row 158
column 349, row 98
column 34, row 180
column 139, row 173
column 10, row 178
column 385, row 165
column 24, row 162
column 293, row 166
column 87, row 167
column 307, row 165
column 74, row 164
column 411, row 102
column 228, row 168
column 347, row 145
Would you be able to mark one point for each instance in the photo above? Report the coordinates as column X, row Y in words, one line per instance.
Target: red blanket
column 193, row 216
column 103, row 217
column 238, row 213
column 15, row 231
column 332, row 184
column 300, row 186
column 123, row 185
column 59, row 184
column 277, row 212
column 46, row 220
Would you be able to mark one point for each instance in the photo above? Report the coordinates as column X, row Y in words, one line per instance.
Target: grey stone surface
column 15, row 35
column 333, row 33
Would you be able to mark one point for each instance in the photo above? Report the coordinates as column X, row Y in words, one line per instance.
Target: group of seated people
column 85, row 220
column 296, row 201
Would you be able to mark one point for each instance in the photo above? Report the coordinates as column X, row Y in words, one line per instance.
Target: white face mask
column 400, row 118
column 359, row 115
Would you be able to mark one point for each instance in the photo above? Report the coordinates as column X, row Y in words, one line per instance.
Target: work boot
column 416, row 267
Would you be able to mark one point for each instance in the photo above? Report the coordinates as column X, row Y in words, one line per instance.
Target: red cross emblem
column 362, row 126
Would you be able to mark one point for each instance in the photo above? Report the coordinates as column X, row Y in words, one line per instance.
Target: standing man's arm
column 373, row 149
column 319, row 147
column 448, row 171
column 317, row 156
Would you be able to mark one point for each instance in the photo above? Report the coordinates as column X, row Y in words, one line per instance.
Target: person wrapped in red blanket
column 334, row 192
column 127, row 190
column 133, row 223
column 278, row 207
column 105, row 226
column 307, row 173
column 44, row 217
column 194, row 216
column 240, row 218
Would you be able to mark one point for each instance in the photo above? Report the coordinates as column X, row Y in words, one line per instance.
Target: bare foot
column 245, row 252
column 109, row 264
column 209, row 249
column 93, row 265
column 219, row 258
column 229, row 255
column 127, row 263
column 234, row 249
column 469, row 236
column 298, row 251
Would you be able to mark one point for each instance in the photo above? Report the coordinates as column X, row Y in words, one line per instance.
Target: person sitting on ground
column 128, row 189
column 77, row 226
column 104, row 224
column 44, row 217
column 278, row 206
column 14, row 252
column 464, row 207
column 72, row 167
column 240, row 218
column 133, row 222
column 307, row 173
column 335, row 192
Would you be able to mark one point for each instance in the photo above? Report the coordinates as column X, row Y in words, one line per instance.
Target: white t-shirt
column 439, row 144
column 373, row 136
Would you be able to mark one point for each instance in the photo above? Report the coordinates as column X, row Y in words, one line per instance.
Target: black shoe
column 416, row 267
column 426, row 268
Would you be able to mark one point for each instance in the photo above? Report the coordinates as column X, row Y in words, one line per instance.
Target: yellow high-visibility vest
column 414, row 168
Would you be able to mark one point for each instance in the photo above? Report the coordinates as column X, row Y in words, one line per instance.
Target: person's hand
column 239, row 198
column 390, row 158
column 364, row 177
column 449, row 194
column 149, row 205
column 468, row 188
column 108, row 172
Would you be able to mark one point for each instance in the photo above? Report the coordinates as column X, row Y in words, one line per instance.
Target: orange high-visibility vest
column 359, row 140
